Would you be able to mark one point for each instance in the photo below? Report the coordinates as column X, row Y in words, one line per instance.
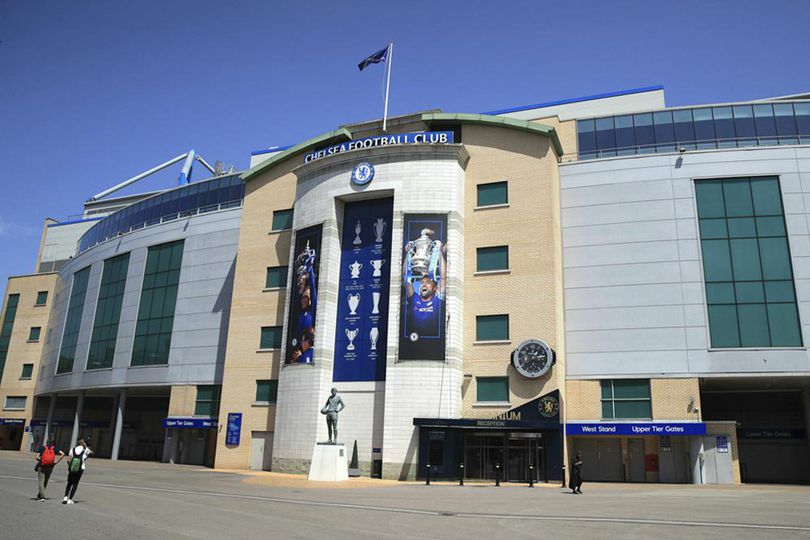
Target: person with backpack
column 76, row 466
column 46, row 459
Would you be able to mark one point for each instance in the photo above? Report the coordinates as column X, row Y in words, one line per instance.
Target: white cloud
column 11, row 229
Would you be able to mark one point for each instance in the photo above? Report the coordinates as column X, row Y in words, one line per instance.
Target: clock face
column 532, row 358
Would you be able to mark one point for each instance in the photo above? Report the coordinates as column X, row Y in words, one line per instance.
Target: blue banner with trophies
column 365, row 278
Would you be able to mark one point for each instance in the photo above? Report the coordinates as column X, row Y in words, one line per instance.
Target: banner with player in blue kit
column 363, row 288
column 304, row 296
column 424, row 281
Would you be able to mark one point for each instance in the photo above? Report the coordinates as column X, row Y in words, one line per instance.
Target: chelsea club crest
column 362, row 173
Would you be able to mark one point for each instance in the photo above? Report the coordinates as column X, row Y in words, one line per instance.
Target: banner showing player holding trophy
column 424, row 280
column 304, row 296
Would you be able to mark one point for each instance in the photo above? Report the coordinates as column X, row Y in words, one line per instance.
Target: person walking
column 46, row 459
column 576, row 474
column 76, row 467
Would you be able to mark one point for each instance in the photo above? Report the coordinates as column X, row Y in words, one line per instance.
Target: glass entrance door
column 522, row 452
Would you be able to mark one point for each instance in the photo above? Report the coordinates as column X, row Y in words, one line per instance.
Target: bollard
column 427, row 477
column 497, row 475
column 563, row 470
column 531, row 475
column 461, row 474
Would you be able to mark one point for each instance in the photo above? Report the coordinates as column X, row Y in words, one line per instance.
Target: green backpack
column 75, row 463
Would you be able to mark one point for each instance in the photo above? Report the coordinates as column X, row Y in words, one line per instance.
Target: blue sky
column 94, row 92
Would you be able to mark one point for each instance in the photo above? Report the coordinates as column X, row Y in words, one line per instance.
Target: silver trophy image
column 355, row 269
column 354, row 301
column 357, row 229
column 423, row 254
column 377, row 264
column 351, row 334
column 374, row 335
column 375, row 296
column 379, row 229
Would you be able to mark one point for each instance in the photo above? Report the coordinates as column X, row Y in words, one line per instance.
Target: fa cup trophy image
column 355, row 269
column 423, row 254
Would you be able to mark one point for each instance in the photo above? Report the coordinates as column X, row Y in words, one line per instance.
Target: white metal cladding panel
column 61, row 240
column 634, row 300
column 201, row 313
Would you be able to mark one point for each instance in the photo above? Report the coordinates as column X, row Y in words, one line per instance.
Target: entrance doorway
column 601, row 459
column 261, row 450
column 635, row 457
column 522, row 452
column 514, row 452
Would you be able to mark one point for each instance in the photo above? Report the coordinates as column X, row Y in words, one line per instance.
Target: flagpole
column 388, row 83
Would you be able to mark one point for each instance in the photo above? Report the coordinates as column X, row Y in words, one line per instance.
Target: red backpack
column 48, row 457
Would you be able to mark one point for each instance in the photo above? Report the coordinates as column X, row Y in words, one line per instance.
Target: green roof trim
column 338, row 135
column 498, row 121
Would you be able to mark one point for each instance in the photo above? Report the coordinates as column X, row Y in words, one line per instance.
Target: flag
column 376, row 58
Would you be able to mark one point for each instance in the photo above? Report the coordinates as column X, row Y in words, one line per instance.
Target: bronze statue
column 334, row 404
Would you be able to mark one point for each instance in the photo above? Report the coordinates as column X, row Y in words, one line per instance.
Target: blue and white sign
column 363, row 173
column 234, row 429
column 12, row 421
column 422, row 137
column 721, row 443
column 189, row 423
column 363, row 290
column 636, row 428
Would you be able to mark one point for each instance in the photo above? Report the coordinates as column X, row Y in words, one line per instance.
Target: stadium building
column 489, row 293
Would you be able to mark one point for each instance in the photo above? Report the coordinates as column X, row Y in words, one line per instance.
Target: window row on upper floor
column 700, row 128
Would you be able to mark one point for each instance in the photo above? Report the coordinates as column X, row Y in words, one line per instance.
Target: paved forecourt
column 152, row 500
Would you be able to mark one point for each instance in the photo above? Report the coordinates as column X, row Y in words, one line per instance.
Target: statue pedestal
column 329, row 463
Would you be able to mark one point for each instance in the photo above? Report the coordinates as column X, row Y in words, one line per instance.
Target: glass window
column 586, row 135
column 42, row 298
column 744, row 125
column 108, row 312
column 766, row 126
column 785, row 123
column 282, row 219
column 73, row 321
column 645, row 136
column 207, row 403
column 492, row 258
column 266, row 391
column 704, row 128
column 491, row 327
column 664, row 131
column 153, row 330
column 5, row 331
column 33, row 333
column 15, row 403
column 625, row 136
column 802, row 111
column 684, row 128
column 492, row 389
column 626, row 398
column 492, row 194
column 605, row 137
column 270, row 338
column 724, row 127
column 27, row 371
column 276, row 277
column 749, row 279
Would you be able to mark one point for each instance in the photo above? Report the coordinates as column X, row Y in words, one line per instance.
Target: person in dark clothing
column 576, row 474
column 46, row 460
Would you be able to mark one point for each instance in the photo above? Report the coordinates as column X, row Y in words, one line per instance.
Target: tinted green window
column 33, row 334
column 27, row 371
column 626, row 398
column 746, row 264
column 282, row 219
column 491, row 194
column 207, row 403
column 266, row 391
column 73, row 321
column 493, row 258
column 42, row 298
column 271, row 337
column 5, row 330
column 108, row 312
column 276, row 277
column 493, row 389
column 153, row 331
column 491, row 327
